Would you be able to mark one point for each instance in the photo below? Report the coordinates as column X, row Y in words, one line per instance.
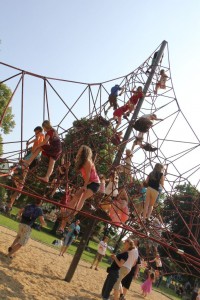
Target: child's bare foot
column 45, row 179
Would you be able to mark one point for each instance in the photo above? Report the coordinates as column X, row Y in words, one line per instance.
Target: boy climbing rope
column 113, row 97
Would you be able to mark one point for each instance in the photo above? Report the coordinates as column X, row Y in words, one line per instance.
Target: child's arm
column 42, row 221
column 147, row 180
column 122, row 90
column 20, row 212
column 87, row 167
column 31, row 142
column 162, row 180
column 118, row 262
column 47, row 137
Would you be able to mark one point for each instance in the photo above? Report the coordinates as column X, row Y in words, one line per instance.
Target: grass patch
column 47, row 238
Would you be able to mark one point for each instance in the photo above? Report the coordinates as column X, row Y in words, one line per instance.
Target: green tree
column 181, row 213
column 7, row 125
column 95, row 133
column 8, row 121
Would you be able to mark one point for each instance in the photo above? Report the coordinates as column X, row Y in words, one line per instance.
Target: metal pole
column 80, row 249
column 139, row 105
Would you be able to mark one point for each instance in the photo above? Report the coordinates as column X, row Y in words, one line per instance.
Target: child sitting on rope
column 50, row 147
column 119, row 212
column 161, row 84
column 113, row 97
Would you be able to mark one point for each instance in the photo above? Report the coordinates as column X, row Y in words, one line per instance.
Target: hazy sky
column 92, row 41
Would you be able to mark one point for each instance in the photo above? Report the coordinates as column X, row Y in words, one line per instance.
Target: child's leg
column 63, row 224
column 97, row 264
column 119, row 119
column 87, row 194
column 16, row 240
column 14, row 249
column 93, row 262
column 13, row 198
column 131, row 109
column 157, row 87
column 106, row 110
column 153, row 198
column 146, row 205
column 49, row 170
column 62, row 250
column 33, row 156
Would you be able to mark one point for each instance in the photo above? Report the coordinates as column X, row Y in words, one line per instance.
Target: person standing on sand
column 28, row 216
column 69, row 237
column 101, row 252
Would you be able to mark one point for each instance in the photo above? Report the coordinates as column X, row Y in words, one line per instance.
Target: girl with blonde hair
column 153, row 181
column 50, row 147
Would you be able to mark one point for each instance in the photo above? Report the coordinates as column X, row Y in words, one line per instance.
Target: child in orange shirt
column 39, row 138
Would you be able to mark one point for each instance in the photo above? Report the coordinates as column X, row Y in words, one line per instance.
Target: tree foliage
column 184, row 222
column 7, row 125
column 8, row 122
column 96, row 135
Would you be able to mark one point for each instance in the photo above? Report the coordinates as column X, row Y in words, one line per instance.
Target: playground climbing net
column 77, row 109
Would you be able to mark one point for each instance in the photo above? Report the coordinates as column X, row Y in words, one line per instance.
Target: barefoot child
column 85, row 165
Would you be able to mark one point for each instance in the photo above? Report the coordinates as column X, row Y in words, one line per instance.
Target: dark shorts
column 68, row 240
column 126, row 281
column 99, row 257
column 113, row 101
column 93, row 186
column 53, row 152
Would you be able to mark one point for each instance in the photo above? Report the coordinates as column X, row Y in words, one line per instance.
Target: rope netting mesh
column 80, row 112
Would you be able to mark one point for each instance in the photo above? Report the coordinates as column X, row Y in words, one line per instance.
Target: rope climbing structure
column 81, row 114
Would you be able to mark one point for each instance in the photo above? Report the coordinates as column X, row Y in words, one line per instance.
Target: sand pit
column 37, row 273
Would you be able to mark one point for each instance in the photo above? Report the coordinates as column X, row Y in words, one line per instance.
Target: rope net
column 82, row 116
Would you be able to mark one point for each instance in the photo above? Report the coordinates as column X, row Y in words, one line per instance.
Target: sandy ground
column 37, row 273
